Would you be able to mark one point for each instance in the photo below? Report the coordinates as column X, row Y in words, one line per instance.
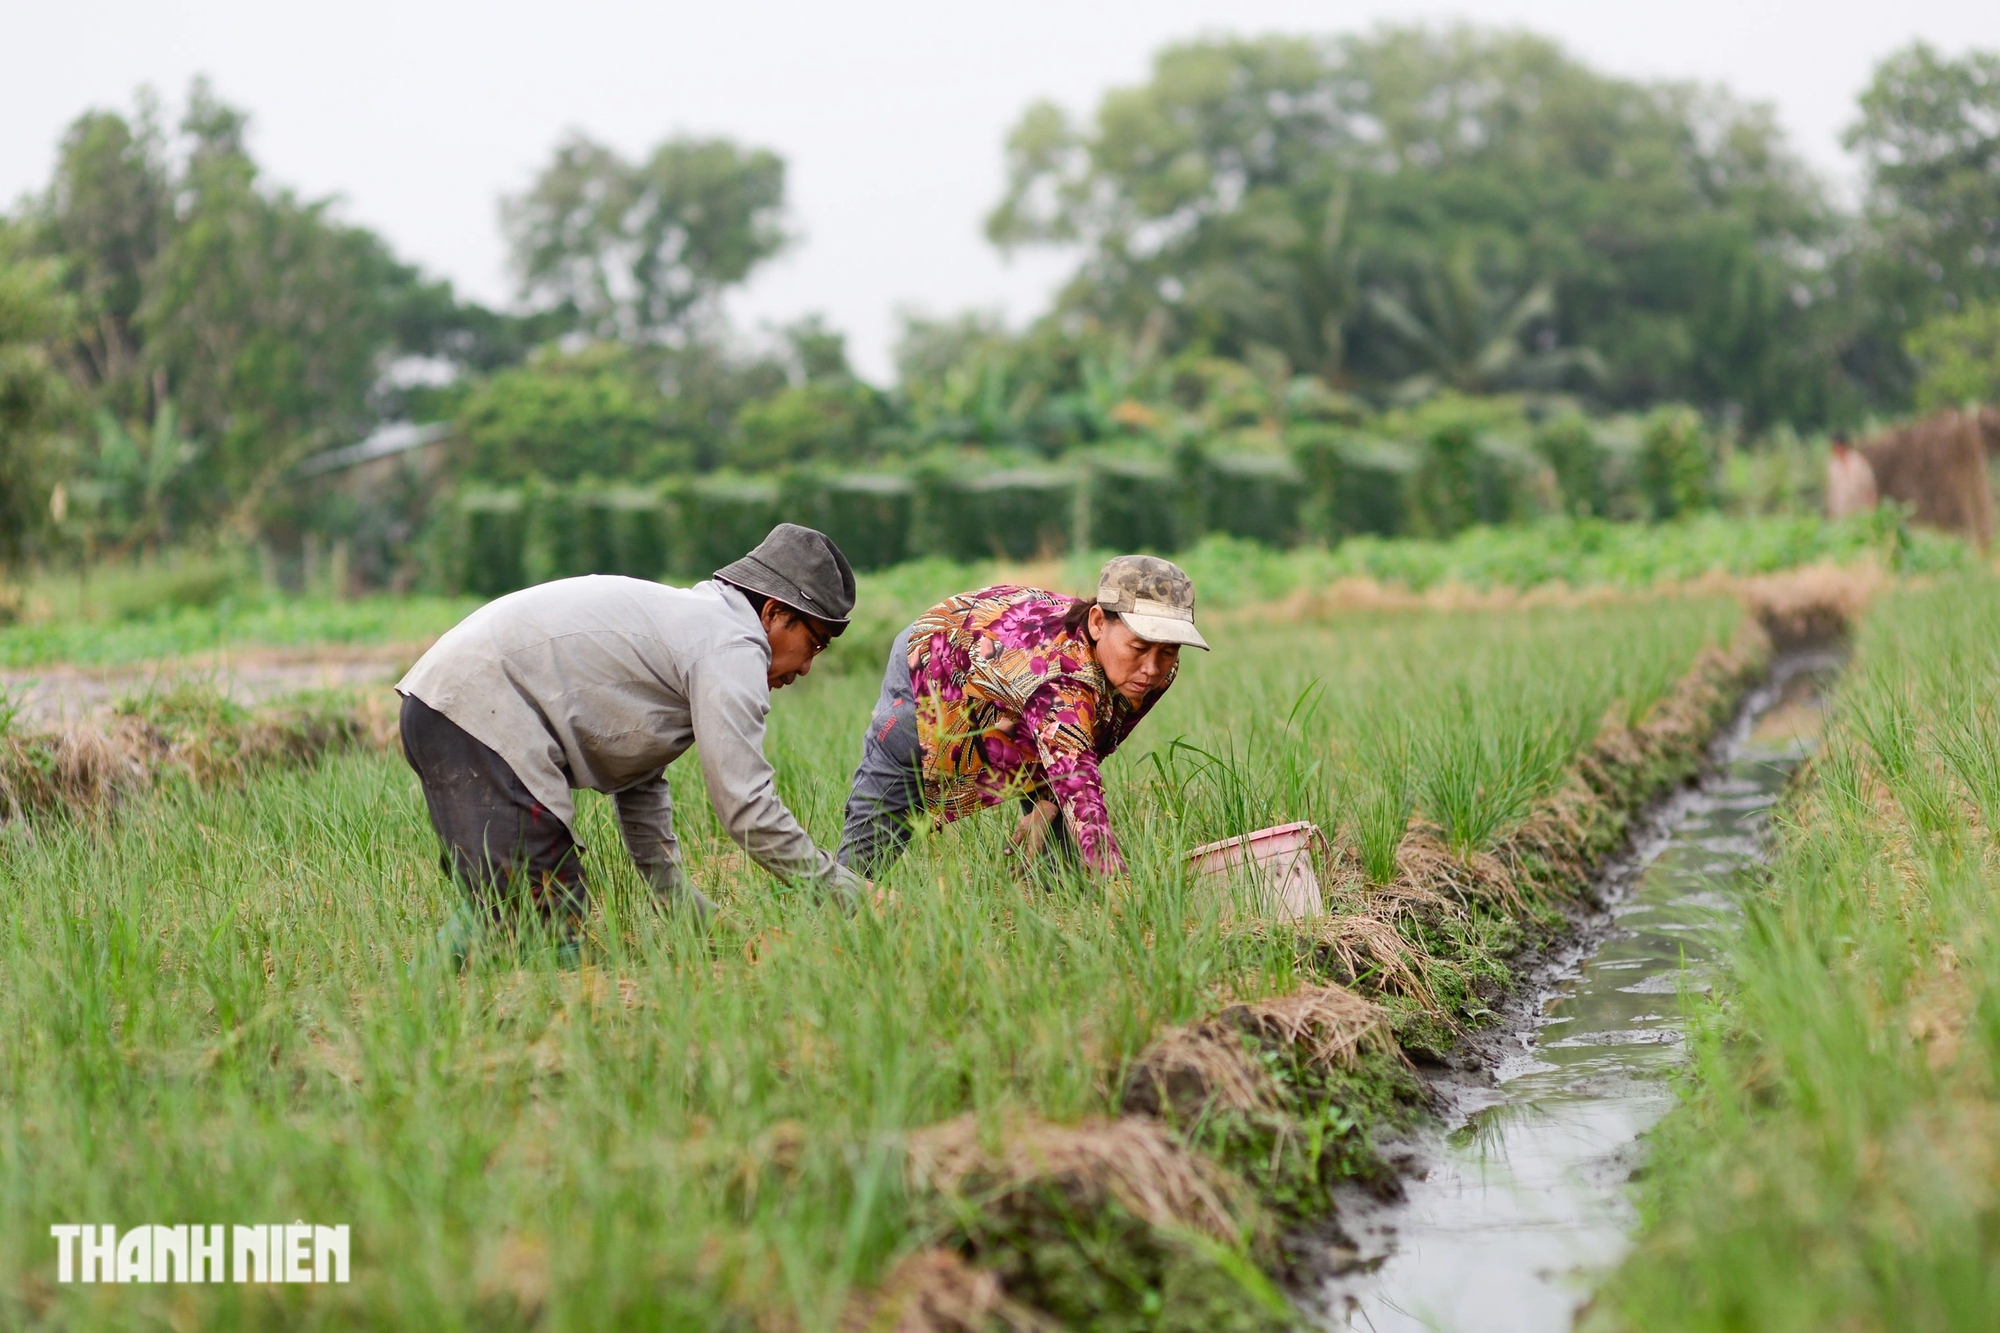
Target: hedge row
column 1327, row 485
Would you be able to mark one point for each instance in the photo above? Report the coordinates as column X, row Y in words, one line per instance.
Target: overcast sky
column 890, row 113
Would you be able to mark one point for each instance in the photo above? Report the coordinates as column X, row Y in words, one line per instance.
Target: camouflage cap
column 1154, row 597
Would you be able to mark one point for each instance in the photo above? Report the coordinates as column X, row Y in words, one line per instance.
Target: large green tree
column 270, row 318
column 106, row 214
column 640, row 251
column 36, row 398
column 239, row 323
column 595, row 412
column 824, row 414
column 1929, row 139
column 1291, row 192
column 1958, row 356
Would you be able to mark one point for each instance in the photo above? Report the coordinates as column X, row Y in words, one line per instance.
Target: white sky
column 890, row 113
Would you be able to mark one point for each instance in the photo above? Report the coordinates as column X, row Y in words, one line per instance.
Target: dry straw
column 1200, row 1068
column 936, row 1291
column 89, row 769
column 1938, row 467
column 1328, row 1026
column 1191, row 1071
column 1132, row 1162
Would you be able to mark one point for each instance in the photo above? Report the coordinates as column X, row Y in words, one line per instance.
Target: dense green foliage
column 1461, row 464
column 1277, row 238
column 261, row 314
column 1476, row 209
column 1959, row 356
column 33, row 394
column 1832, row 1164
column 639, row 252
column 569, row 416
column 1929, row 138
column 211, row 331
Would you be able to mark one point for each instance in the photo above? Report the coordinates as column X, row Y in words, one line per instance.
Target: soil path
column 63, row 695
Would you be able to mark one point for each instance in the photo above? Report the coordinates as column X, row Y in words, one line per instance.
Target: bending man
column 601, row 682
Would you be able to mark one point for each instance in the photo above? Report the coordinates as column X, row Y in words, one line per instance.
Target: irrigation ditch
column 1515, row 1190
column 1321, row 1157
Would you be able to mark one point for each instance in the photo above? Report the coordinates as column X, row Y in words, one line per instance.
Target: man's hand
column 673, row 892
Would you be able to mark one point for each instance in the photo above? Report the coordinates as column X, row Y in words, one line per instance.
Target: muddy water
column 1508, row 1216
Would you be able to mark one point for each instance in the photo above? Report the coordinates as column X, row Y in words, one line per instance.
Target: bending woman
column 1012, row 693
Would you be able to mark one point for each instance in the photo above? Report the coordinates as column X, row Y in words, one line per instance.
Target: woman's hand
column 1030, row 835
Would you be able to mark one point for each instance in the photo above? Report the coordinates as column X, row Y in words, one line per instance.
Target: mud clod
column 936, row 1291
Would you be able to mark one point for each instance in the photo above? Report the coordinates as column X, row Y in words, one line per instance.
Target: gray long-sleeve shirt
column 601, row 682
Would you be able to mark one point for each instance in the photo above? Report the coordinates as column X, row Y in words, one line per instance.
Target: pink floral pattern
column 1010, row 704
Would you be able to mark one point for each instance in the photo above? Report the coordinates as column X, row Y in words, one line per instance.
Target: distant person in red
column 1850, row 482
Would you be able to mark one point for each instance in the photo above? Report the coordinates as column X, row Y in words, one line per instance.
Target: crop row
column 1326, row 485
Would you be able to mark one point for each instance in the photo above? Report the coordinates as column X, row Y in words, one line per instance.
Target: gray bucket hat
column 801, row 568
column 1154, row 597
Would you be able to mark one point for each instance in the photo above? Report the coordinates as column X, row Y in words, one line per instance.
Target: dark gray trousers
column 507, row 849
column 888, row 786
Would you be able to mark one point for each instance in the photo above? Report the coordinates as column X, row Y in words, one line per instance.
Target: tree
column 270, row 318
column 107, row 212
column 829, row 420
column 119, row 487
column 1477, row 340
column 202, row 301
column 824, row 415
column 640, row 252
column 1215, row 191
column 818, row 351
column 1259, row 192
column 35, row 397
column 927, row 349
column 1959, row 357
column 1929, row 137
column 594, row 412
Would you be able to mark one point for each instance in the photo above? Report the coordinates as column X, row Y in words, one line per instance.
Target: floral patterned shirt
column 1009, row 703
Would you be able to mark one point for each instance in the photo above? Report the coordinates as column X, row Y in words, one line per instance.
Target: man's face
column 795, row 641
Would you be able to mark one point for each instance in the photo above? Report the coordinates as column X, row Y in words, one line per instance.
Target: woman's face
column 1134, row 666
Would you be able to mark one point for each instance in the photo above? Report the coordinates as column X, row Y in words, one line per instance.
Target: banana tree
column 1474, row 337
column 122, row 494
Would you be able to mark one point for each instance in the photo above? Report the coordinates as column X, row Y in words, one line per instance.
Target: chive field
column 221, row 1005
